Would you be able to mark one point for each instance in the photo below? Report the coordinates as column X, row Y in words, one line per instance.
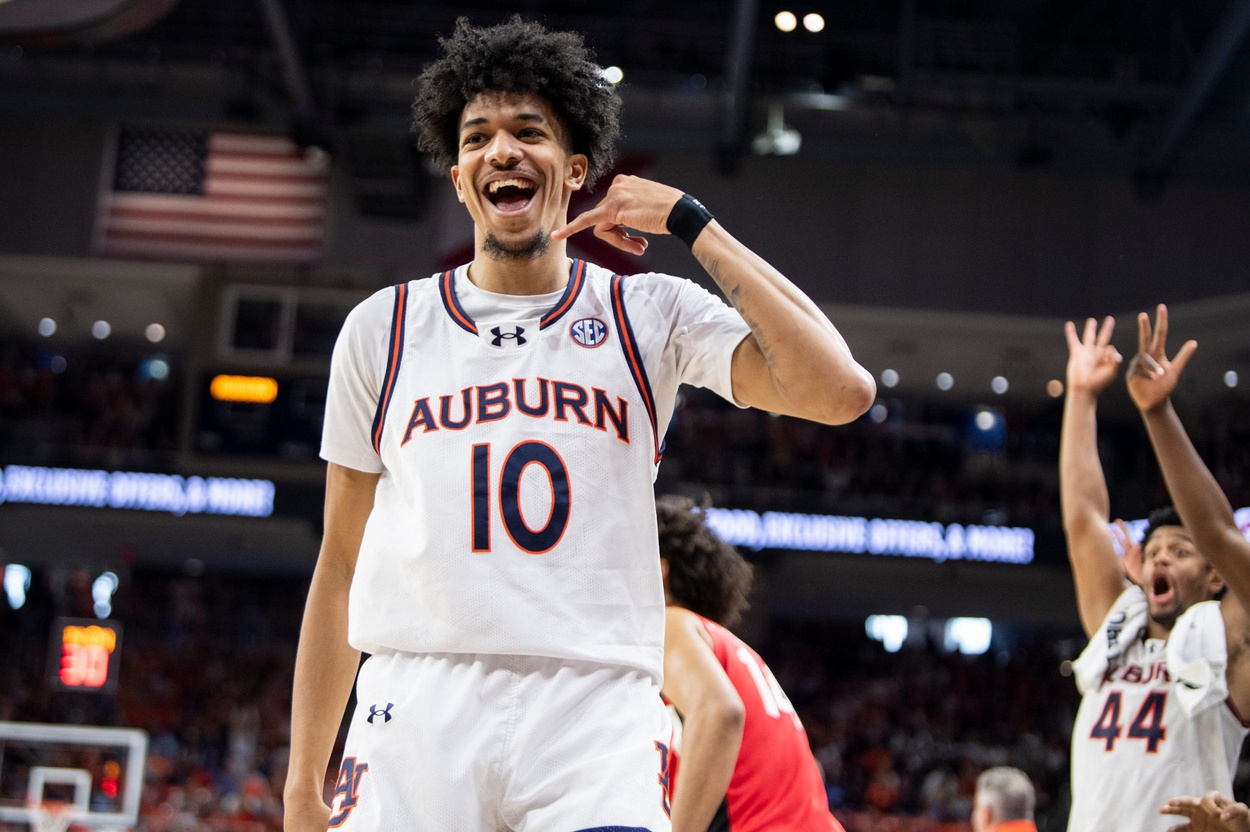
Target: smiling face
column 1175, row 575
column 515, row 172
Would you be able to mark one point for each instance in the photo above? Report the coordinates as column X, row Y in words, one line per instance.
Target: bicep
column 1096, row 571
column 349, row 502
column 753, row 380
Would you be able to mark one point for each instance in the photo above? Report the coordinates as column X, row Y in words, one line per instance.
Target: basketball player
column 745, row 763
column 1165, row 674
column 493, row 433
column 1003, row 801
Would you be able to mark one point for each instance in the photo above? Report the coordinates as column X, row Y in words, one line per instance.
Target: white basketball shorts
column 480, row 743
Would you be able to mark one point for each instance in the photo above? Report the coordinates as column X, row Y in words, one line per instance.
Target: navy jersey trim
column 451, row 302
column 633, row 357
column 447, row 291
column 394, row 355
column 577, row 278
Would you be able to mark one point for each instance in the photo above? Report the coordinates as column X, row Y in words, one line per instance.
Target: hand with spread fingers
column 1151, row 375
column 1132, row 557
column 630, row 203
column 1213, row 812
column 1092, row 361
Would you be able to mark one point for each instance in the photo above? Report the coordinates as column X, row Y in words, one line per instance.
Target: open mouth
column 511, row 196
column 1161, row 591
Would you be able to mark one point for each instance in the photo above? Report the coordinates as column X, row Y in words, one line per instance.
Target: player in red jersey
column 745, row 762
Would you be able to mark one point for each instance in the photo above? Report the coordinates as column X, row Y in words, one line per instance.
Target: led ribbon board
column 141, row 492
column 872, row 536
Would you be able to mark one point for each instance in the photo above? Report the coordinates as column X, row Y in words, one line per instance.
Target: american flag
column 201, row 196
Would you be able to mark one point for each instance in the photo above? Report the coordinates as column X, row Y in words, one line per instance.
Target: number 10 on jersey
column 535, row 540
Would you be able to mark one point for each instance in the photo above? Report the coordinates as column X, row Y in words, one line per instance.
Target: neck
column 1156, row 630
column 548, row 272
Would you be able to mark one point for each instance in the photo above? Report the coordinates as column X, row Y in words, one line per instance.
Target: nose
column 504, row 150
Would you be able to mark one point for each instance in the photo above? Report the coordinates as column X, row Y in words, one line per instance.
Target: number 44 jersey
column 1153, row 724
column 518, row 439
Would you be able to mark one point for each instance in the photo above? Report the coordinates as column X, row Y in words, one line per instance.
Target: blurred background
column 194, row 193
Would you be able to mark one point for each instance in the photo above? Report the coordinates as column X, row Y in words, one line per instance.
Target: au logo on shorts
column 588, row 332
column 347, row 787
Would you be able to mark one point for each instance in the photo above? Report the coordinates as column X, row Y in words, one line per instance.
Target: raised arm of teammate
column 712, row 721
column 794, row 362
column 1092, row 364
column 325, row 666
column 1213, row 812
column 1198, row 498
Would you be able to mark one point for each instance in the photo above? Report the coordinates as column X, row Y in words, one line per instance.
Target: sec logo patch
column 588, row 332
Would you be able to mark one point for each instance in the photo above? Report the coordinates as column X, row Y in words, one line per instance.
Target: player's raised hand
column 630, row 202
column 1213, row 812
column 1132, row 558
column 1092, row 361
column 1151, row 375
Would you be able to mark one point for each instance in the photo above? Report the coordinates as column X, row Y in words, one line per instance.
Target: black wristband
column 687, row 219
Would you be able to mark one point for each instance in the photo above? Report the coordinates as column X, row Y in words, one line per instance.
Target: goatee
column 534, row 248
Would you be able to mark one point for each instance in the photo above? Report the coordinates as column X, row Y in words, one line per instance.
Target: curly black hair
column 1162, row 516
column 705, row 574
column 518, row 56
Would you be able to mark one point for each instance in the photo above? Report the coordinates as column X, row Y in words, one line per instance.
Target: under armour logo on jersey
column 588, row 332
column 385, row 713
column 516, row 336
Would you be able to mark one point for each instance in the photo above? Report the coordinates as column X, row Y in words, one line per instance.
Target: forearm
column 325, row 671
column 709, row 753
column 1198, row 498
column 809, row 363
column 1083, row 494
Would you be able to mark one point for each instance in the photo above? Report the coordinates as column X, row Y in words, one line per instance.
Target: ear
column 455, row 180
column 575, row 170
column 1214, row 582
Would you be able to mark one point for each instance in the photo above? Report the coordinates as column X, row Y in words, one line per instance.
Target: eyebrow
column 533, row 117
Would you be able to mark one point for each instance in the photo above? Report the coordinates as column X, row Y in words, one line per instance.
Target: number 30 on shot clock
column 84, row 655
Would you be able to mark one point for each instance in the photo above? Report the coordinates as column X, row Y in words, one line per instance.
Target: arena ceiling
column 1150, row 69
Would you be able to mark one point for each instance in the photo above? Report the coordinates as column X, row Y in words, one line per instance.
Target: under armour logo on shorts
column 385, row 713
column 517, row 336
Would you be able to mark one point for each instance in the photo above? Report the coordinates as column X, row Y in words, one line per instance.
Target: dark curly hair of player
column 518, row 56
column 705, row 574
column 1162, row 516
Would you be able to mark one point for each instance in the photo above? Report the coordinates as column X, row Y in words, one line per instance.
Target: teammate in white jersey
column 492, row 435
column 1165, row 676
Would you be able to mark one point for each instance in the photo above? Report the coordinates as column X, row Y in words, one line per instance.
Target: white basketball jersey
column 515, row 511
column 1134, row 747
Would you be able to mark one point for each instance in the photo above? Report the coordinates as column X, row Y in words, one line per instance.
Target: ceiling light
column 889, row 377
column 101, row 330
column 155, row 333
column 1054, row 388
column 999, row 384
column 47, row 327
column 1230, row 378
column 613, row 74
column 786, row 21
column 945, row 381
column 813, row 22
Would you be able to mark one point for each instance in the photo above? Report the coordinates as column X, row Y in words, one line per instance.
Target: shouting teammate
column 745, row 763
column 493, row 433
column 1161, row 684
